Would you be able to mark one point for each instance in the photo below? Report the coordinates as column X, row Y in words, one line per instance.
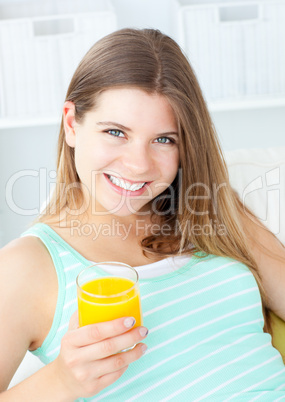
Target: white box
column 235, row 47
column 41, row 44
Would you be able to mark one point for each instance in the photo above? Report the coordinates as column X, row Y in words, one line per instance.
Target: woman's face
column 126, row 150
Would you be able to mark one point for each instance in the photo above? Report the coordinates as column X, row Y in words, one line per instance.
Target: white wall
column 34, row 150
column 35, row 147
column 254, row 128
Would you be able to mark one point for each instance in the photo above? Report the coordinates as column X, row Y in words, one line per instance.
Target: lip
column 130, row 181
column 127, row 193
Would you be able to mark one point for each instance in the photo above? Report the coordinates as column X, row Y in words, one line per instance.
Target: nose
column 138, row 160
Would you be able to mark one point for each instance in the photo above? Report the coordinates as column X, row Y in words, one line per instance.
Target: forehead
column 133, row 104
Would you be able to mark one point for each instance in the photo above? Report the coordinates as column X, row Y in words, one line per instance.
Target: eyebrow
column 124, row 128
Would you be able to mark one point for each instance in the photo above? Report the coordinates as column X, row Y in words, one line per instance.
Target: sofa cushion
column 258, row 175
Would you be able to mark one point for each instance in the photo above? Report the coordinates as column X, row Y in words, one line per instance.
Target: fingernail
column 143, row 331
column 129, row 322
column 144, row 348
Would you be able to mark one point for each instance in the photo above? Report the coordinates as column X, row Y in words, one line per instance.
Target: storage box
column 235, row 47
column 41, row 44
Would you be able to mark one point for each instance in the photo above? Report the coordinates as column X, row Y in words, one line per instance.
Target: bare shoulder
column 28, row 294
column 26, row 265
column 22, row 249
column 27, row 261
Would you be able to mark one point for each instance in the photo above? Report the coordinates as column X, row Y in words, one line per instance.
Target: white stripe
column 64, row 326
column 180, row 317
column 70, row 303
column 175, row 356
column 279, row 399
column 70, row 284
column 190, row 280
column 72, row 267
column 239, row 376
column 143, row 284
column 53, row 351
column 259, row 396
column 280, row 387
column 178, row 372
column 154, row 310
column 63, row 253
column 257, row 384
column 162, row 344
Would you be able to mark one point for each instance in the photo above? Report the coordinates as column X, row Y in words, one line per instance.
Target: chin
column 124, row 212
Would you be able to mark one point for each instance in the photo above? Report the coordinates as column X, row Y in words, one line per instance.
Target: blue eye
column 115, row 133
column 165, row 140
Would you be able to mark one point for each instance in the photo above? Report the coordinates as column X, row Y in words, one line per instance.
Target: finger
column 111, row 346
column 73, row 322
column 93, row 333
column 109, row 379
column 118, row 362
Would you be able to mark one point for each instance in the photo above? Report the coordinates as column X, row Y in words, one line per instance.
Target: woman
column 141, row 179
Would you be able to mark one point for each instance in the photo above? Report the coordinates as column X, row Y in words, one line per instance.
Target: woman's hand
column 89, row 360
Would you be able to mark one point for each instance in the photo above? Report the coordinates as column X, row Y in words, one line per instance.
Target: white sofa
column 258, row 175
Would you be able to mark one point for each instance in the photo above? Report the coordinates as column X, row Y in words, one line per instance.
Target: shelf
column 17, row 122
column 247, row 103
column 221, row 106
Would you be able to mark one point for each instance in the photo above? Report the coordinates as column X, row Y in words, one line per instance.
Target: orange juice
column 125, row 303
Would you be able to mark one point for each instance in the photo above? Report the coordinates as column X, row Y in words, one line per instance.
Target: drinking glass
column 106, row 291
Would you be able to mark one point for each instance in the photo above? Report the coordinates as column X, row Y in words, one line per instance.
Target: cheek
column 90, row 157
column 169, row 165
column 82, row 157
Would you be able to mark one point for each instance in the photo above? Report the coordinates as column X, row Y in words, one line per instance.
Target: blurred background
column 235, row 47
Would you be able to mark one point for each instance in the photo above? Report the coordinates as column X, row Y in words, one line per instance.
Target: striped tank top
column 205, row 341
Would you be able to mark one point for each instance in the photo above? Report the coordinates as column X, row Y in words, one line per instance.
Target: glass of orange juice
column 106, row 291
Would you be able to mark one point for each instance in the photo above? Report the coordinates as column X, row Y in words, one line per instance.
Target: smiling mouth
column 126, row 185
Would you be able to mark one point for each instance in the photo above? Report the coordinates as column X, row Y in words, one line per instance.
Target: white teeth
column 125, row 185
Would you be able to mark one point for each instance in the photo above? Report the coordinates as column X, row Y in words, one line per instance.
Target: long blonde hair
column 152, row 61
